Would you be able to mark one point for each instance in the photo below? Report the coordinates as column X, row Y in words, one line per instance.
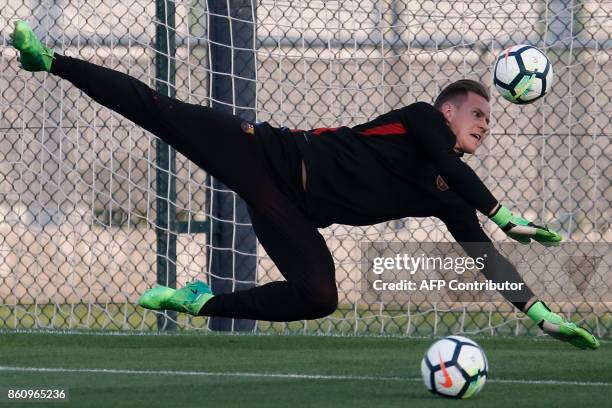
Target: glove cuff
column 539, row 312
column 502, row 216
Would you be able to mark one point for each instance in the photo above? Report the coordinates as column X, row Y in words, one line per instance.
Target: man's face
column 469, row 121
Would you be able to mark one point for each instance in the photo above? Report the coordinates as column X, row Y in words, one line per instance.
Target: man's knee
column 327, row 304
column 322, row 301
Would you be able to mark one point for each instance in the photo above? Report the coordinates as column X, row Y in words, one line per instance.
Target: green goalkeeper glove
column 34, row 56
column 522, row 230
column 559, row 328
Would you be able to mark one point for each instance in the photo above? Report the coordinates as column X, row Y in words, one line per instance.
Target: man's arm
column 428, row 125
column 465, row 228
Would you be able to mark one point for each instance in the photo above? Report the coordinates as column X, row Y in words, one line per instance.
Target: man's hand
column 34, row 55
column 522, row 230
column 561, row 329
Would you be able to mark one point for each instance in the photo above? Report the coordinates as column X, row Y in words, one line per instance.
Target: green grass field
column 195, row 370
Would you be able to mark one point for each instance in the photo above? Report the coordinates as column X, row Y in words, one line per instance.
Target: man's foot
column 34, row 55
column 189, row 299
column 561, row 329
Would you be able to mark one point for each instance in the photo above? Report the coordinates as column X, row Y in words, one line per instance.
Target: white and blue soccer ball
column 455, row 367
column 522, row 74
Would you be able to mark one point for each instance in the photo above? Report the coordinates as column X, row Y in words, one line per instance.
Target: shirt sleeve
column 426, row 123
column 463, row 225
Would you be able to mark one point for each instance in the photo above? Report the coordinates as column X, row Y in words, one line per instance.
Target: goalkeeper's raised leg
column 226, row 147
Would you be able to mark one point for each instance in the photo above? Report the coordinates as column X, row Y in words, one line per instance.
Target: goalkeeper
column 403, row 163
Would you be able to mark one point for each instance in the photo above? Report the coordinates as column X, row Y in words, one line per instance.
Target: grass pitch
column 195, row 370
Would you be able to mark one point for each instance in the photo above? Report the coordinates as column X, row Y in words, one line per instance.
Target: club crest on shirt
column 441, row 184
column 248, row 128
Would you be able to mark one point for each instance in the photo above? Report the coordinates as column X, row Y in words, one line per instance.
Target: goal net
column 95, row 210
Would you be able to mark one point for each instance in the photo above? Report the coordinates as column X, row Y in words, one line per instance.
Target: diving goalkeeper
column 404, row 163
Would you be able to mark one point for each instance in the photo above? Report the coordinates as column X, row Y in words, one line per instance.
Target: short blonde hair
column 457, row 92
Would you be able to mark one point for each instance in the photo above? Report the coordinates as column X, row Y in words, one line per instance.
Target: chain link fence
column 78, row 182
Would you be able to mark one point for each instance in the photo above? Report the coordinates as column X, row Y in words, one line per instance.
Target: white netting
column 78, row 216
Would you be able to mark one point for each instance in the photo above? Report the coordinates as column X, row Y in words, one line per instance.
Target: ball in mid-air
column 454, row 367
column 522, row 74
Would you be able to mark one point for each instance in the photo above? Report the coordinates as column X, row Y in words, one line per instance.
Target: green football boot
column 189, row 299
column 561, row 329
column 34, row 55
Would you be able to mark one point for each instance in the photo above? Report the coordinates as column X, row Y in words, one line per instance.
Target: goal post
column 232, row 84
column 166, row 222
column 231, row 29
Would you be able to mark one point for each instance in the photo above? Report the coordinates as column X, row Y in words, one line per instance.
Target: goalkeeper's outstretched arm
column 465, row 228
column 428, row 124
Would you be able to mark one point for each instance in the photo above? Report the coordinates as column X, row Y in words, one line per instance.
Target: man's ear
column 448, row 109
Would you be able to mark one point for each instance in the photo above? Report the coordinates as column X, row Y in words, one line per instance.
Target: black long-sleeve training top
column 401, row 164
column 394, row 166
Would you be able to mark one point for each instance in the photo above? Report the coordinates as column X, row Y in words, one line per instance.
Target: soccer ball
column 522, row 74
column 454, row 367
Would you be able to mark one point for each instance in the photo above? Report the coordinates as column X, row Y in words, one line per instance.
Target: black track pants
column 216, row 142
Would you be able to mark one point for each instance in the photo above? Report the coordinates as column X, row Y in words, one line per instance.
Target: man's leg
column 206, row 137
column 297, row 249
column 301, row 255
column 211, row 139
column 215, row 141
